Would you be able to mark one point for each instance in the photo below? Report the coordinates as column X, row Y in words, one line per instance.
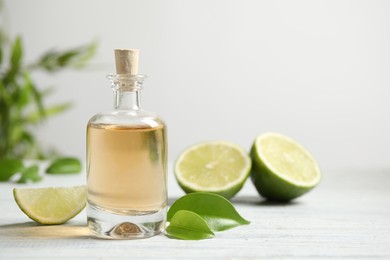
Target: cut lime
column 282, row 169
column 51, row 205
column 214, row 166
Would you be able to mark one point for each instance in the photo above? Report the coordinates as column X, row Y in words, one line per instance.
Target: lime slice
column 282, row 169
column 51, row 205
column 214, row 166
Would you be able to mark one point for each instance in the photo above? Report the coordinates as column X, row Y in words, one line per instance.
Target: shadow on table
column 258, row 201
column 33, row 230
column 253, row 201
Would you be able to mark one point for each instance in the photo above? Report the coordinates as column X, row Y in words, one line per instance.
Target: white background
column 317, row 71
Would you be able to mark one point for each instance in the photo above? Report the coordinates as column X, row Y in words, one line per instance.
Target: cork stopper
column 126, row 61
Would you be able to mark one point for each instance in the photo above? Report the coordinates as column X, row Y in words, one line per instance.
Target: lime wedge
column 282, row 169
column 213, row 166
column 51, row 205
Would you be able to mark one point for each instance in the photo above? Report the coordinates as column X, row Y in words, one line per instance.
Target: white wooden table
column 347, row 216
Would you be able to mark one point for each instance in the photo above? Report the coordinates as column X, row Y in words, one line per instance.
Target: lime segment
column 282, row 168
column 51, row 205
column 214, row 166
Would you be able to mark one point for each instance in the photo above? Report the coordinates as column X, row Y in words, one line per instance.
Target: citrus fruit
column 213, row 166
column 51, row 205
column 282, row 169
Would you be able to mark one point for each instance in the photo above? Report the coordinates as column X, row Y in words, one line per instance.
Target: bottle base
column 109, row 225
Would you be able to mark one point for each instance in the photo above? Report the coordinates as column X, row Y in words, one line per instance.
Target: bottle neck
column 127, row 100
column 127, row 91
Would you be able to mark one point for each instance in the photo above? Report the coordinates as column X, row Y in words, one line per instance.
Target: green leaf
column 30, row 174
column 25, row 92
column 218, row 212
column 56, row 109
column 54, row 60
column 1, row 46
column 35, row 93
column 86, row 53
column 64, row 165
column 189, row 226
column 5, row 97
column 37, row 116
column 16, row 53
column 8, row 167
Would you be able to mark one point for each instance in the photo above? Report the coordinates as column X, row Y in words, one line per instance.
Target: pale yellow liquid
column 126, row 168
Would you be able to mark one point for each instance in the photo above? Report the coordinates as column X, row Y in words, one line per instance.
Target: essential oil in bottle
column 126, row 161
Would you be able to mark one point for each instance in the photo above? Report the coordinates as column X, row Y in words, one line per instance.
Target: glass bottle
column 126, row 161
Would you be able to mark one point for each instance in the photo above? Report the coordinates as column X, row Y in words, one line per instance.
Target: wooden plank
column 346, row 216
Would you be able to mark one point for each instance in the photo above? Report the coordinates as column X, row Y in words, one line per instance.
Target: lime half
column 282, row 169
column 51, row 205
column 213, row 166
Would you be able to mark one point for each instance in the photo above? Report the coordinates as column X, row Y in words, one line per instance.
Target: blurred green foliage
column 23, row 108
column 22, row 103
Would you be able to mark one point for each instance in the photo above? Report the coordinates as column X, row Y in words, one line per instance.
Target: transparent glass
column 126, row 166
